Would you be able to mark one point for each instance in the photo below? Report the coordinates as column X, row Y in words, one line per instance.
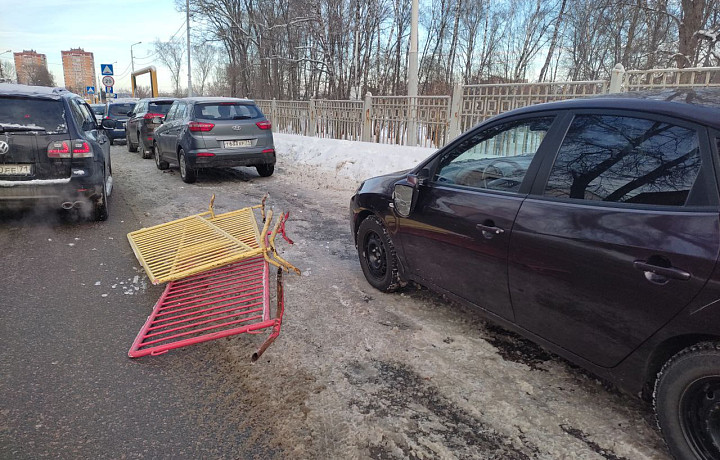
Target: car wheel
column 687, row 402
column 101, row 204
column 130, row 146
column 265, row 170
column 187, row 174
column 161, row 164
column 112, row 142
column 145, row 152
column 377, row 255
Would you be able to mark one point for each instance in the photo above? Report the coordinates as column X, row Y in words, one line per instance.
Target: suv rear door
column 626, row 196
column 235, row 125
column 29, row 125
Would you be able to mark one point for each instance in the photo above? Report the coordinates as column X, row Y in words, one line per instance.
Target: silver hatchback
column 212, row 132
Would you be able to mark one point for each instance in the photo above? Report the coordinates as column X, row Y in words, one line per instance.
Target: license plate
column 15, row 170
column 236, row 144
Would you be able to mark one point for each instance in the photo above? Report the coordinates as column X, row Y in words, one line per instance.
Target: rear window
column 98, row 109
column 227, row 111
column 41, row 113
column 160, row 107
column 121, row 109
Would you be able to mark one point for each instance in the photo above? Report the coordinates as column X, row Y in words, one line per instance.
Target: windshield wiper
column 19, row 128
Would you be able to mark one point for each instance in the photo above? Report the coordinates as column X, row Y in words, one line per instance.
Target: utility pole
column 413, row 75
column 187, row 21
column 132, row 66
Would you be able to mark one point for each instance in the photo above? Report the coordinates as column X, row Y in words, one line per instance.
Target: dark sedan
column 212, row 132
column 143, row 119
column 591, row 226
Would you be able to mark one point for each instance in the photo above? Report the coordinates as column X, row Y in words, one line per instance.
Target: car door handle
column 489, row 231
column 666, row 272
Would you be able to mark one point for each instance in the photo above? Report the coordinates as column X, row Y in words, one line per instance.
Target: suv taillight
column 198, row 126
column 150, row 116
column 264, row 124
column 62, row 149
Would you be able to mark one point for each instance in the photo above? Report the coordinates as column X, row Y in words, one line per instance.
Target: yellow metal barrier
column 194, row 244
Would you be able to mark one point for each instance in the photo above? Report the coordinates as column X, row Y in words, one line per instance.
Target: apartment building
column 30, row 67
column 78, row 69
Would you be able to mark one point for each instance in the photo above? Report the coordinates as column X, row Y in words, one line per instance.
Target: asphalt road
column 72, row 300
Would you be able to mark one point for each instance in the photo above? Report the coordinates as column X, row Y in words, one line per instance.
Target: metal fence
column 432, row 121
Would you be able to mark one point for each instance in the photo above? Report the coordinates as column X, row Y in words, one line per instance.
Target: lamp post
column 132, row 66
column 2, row 77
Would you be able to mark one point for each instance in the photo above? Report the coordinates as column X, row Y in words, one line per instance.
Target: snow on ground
column 348, row 159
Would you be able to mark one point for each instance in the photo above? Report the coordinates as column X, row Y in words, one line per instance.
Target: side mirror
column 406, row 191
column 130, row 114
column 108, row 123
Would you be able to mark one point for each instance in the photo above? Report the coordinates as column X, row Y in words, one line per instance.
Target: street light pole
column 187, row 21
column 132, row 66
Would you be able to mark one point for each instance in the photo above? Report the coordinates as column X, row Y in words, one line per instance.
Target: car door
column 456, row 238
column 620, row 232
column 134, row 120
column 162, row 134
column 87, row 124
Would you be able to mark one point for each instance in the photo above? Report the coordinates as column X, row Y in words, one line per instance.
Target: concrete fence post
column 412, row 124
column 312, row 125
column 617, row 77
column 366, row 135
column 454, row 117
column 273, row 115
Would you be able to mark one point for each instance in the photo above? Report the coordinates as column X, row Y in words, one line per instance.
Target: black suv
column 52, row 151
column 144, row 118
column 118, row 111
column 591, row 226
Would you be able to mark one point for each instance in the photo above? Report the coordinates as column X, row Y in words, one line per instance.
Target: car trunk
column 28, row 127
column 235, row 126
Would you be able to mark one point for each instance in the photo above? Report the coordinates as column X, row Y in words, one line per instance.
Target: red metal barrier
column 218, row 303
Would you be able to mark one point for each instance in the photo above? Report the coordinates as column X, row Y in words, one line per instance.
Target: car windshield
column 159, row 107
column 226, row 111
column 45, row 114
column 98, row 109
column 121, row 109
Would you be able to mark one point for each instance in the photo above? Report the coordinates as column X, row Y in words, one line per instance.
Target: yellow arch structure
column 153, row 79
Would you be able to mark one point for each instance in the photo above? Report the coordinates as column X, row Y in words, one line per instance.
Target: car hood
column 382, row 184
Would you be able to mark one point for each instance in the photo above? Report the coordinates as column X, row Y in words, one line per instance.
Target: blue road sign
column 90, row 89
column 108, row 89
column 106, row 69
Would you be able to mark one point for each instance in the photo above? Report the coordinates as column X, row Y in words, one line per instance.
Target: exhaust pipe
column 67, row 205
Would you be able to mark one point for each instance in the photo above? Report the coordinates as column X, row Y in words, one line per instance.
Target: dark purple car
column 591, row 226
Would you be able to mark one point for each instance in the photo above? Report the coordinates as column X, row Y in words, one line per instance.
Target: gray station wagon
column 211, row 132
column 591, row 226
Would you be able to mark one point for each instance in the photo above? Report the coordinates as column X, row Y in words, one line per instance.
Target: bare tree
column 205, row 57
column 171, row 54
column 36, row 75
column 7, row 72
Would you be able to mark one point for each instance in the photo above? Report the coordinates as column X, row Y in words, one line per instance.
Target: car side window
column 625, row 160
column 83, row 116
column 171, row 113
column 495, row 158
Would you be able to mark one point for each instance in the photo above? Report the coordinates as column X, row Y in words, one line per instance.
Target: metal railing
column 432, row 121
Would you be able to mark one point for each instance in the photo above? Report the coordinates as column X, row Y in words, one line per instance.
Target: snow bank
column 354, row 160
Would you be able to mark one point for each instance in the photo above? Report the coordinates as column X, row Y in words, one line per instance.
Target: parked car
column 98, row 111
column 118, row 111
column 52, row 151
column 591, row 226
column 143, row 119
column 211, row 132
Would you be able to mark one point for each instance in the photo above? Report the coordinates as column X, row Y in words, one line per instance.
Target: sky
column 49, row 27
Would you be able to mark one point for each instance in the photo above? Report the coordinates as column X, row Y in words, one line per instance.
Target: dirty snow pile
column 350, row 159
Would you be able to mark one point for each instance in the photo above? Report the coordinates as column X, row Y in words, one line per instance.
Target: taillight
column 205, row 154
column 198, row 126
column 58, row 149
column 81, row 149
column 268, row 151
column 150, row 116
column 264, row 124
column 75, row 149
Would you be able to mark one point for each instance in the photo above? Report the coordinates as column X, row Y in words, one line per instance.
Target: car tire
column 187, row 174
column 101, row 211
column 112, row 142
column 146, row 154
column 130, row 146
column 687, row 402
column 161, row 164
column 377, row 255
column 265, row 170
